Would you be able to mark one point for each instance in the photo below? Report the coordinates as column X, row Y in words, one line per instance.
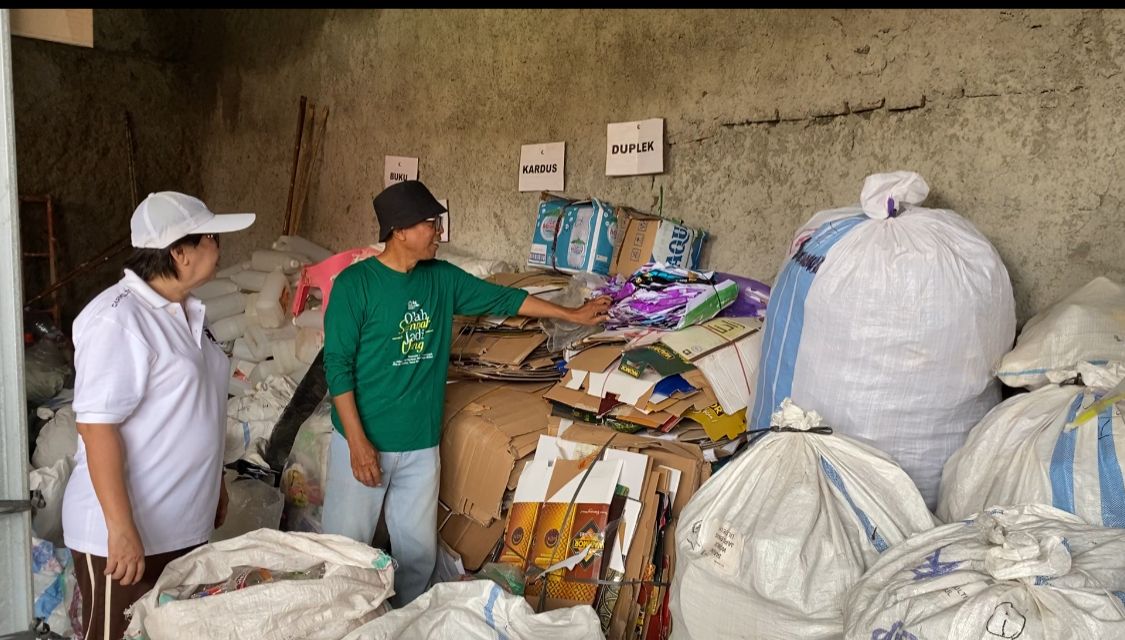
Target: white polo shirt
column 162, row 379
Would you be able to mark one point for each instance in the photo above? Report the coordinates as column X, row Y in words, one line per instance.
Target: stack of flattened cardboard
column 593, row 523
column 512, row 348
column 490, row 432
column 692, row 385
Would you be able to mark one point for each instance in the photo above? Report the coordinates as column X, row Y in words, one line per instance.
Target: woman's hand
column 125, row 561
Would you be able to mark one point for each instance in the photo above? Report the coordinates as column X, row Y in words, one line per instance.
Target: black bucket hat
column 404, row 204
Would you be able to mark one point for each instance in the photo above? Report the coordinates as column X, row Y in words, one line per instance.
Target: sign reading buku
column 635, row 148
column 399, row 169
column 541, row 166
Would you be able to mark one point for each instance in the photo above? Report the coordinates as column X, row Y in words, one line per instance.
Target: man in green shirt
column 387, row 335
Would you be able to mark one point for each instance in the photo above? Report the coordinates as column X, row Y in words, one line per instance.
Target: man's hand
column 126, row 558
column 365, row 462
column 224, row 499
column 593, row 312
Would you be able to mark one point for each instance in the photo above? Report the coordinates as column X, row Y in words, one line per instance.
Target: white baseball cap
column 165, row 217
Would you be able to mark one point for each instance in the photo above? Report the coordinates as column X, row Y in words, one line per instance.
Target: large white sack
column 889, row 328
column 1030, row 572
column 1087, row 325
column 57, row 439
column 1023, row 452
column 478, row 610
column 357, row 581
column 769, row 545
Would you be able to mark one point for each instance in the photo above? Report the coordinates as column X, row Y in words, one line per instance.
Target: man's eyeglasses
column 433, row 222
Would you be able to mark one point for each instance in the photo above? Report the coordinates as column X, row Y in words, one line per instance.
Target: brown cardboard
column 472, row 541
column 488, row 427
column 508, row 348
column 687, row 458
column 634, row 248
column 597, row 359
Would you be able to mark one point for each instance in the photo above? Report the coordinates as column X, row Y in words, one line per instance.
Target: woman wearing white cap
column 150, row 397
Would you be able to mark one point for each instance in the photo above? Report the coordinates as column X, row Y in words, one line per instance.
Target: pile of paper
column 657, row 295
column 692, row 385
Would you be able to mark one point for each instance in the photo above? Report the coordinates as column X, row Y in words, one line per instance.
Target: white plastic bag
column 54, row 584
column 1087, row 325
column 768, row 545
column 47, row 485
column 252, row 418
column 1030, row 572
column 306, row 471
column 890, row 329
column 478, row 610
column 1024, row 452
column 57, row 439
column 479, row 267
column 357, row 580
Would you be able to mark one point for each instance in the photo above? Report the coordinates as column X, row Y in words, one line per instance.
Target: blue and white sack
column 1031, row 449
column 888, row 319
column 770, row 544
column 1030, row 572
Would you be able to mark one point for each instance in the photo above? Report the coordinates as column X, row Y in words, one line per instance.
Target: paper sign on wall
column 541, row 166
column 634, row 148
column 399, row 169
column 444, row 221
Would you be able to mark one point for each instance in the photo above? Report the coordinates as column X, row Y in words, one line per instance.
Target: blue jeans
column 410, row 489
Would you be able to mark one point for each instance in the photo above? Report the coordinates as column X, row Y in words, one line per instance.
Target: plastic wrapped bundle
column 889, row 318
column 1030, row 572
column 769, row 545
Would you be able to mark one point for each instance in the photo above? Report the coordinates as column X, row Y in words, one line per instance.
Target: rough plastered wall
column 70, row 105
column 1013, row 117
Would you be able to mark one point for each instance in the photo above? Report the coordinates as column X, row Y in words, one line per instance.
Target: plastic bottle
column 271, row 313
column 229, row 328
column 268, row 260
column 224, row 306
column 256, row 342
column 285, row 354
column 250, row 280
column 266, row 369
column 252, row 308
column 233, row 269
column 309, row 343
column 311, row 319
column 315, row 252
column 214, row 289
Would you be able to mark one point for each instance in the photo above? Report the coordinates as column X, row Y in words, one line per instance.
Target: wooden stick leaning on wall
column 305, row 178
column 296, row 159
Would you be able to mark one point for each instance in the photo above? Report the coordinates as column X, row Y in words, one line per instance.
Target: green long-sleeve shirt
column 387, row 337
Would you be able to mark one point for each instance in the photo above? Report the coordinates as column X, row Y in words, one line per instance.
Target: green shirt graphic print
column 387, row 336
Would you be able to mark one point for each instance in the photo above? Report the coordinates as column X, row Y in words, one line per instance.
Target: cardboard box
column 647, row 238
column 471, row 540
column 488, row 428
column 574, row 237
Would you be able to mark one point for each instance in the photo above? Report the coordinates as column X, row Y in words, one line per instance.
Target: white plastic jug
column 230, row 328
column 271, row 313
column 233, row 269
column 268, row 260
column 297, row 244
column 309, row 342
column 250, row 280
column 224, row 306
column 311, row 319
column 285, row 353
column 214, row 289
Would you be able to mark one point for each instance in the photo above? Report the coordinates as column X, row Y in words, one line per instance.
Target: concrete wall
column 70, row 105
column 771, row 115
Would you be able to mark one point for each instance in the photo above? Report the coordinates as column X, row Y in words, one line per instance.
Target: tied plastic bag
column 1052, row 446
column 1086, row 326
column 241, row 577
column 306, row 471
column 1030, row 572
column 54, row 584
column 770, row 544
column 864, row 315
